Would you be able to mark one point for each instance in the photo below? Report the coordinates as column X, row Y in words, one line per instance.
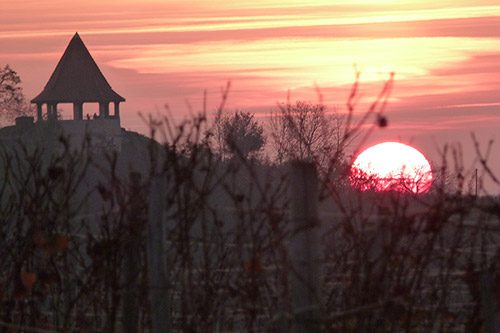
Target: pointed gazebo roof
column 77, row 79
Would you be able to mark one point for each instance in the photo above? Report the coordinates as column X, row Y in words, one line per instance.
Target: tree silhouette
column 13, row 103
column 305, row 131
column 238, row 134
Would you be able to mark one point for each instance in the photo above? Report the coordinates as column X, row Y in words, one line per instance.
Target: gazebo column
column 39, row 112
column 49, row 111
column 77, row 111
column 104, row 110
column 117, row 110
column 52, row 111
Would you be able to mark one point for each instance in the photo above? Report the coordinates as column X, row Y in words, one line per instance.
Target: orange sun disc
column 391, row 166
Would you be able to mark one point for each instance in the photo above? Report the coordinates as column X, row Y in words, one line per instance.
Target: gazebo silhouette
column 77, row 79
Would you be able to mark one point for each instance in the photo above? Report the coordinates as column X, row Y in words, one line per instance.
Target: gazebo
column 77, row 79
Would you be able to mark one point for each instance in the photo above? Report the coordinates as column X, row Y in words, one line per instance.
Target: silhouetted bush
column 74, row 229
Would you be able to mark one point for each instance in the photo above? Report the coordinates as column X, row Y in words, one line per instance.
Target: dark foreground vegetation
column 200, row 229
column 74, row 248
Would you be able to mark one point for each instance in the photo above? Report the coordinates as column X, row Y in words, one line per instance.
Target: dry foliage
column 74, row 236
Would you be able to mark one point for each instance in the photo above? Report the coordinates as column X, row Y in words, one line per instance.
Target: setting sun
column 391, row 166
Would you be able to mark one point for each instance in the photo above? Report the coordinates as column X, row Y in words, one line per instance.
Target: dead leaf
column 61, row 242
column 39, row 239
column 28, row 279
column 254, row 265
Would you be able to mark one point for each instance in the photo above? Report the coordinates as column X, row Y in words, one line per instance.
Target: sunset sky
column 445, row 56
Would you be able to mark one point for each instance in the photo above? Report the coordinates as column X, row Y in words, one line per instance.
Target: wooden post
column 476, row 182
column 491, row 316
column 132, row 256
column 131, row 295
column 304, row 250
column 158, row 283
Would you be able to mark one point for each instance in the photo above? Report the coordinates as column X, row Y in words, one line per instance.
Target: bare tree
column 238, row 134
column 13, row 103
column 306, row 131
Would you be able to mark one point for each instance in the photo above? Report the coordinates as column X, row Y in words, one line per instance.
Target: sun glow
column 391, row 166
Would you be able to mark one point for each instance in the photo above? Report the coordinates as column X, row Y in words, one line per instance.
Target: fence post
column 491, row 319
column 158, row 284
column 304, row 250
column 130, row 305
column 132, row 256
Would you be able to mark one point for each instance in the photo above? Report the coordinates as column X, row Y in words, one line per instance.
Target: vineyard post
column 491, row 323
column 158, row 284
column 304, row 248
